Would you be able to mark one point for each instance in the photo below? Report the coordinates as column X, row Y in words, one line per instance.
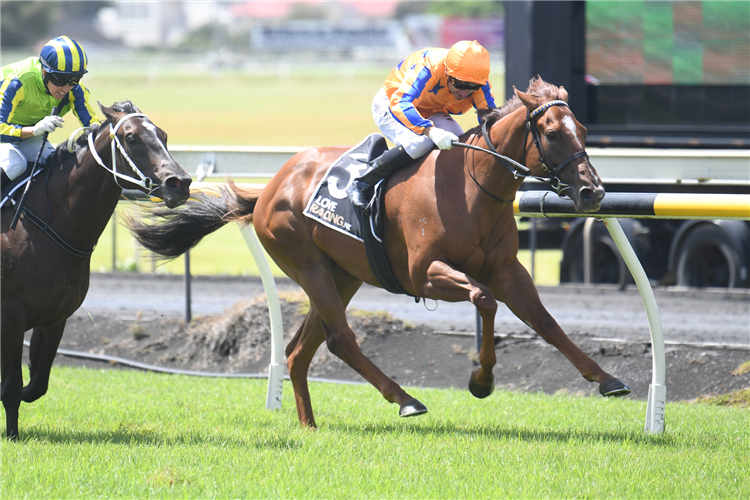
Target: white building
column 157, row 24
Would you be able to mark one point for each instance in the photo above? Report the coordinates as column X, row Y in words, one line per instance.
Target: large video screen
column 668, row 43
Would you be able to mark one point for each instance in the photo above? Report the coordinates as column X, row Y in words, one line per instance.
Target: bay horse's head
column 556, row 146
column 142, row 158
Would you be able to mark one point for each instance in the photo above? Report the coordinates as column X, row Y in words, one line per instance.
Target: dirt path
column 434, row 353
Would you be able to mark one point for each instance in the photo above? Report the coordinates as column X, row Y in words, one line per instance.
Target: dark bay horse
column 450, row 234
column 45, row 275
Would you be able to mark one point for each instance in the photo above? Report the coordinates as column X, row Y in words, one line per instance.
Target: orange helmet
column 469, row 62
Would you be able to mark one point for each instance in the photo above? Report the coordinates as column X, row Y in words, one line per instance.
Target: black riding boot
column 384, row 165
column 4, row 179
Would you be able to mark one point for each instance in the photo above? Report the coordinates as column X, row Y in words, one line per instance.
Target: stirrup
column 358, row 194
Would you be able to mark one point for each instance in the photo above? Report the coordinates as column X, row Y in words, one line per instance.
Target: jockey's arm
column 81, row 106
column 483, row 98
column 11, row 93
column 402, row 101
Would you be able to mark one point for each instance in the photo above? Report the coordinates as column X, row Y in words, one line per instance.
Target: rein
column 518, row 170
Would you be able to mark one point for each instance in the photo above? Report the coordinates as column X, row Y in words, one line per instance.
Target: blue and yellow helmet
column 63, row 55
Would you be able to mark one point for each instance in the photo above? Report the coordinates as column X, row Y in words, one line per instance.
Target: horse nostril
column 587, row 194
column 591, row 196
column 173, row 183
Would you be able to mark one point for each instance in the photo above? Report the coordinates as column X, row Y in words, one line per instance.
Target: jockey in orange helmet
column 413, row 108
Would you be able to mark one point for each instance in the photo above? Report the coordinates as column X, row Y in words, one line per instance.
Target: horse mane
column 62, row 154
column 125, row 107
column 537, row 88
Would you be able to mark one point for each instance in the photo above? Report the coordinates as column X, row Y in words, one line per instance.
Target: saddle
column 330, row 205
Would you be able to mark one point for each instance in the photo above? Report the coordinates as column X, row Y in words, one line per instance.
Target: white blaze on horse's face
column 571, row 125
column 152, row 128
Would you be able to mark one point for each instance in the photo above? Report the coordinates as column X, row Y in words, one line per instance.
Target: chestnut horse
column 450, row 234
column 46, row 258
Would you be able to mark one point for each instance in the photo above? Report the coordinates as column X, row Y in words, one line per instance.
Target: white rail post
column 657, row 391
column 276, row 368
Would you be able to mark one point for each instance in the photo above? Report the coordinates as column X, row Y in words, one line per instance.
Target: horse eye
column 130, row 140
column 551, row 135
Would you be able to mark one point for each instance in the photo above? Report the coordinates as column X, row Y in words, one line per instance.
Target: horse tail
column 171, row 233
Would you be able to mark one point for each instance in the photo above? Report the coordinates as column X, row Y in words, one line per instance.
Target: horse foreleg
column 44, row 344
column 446, row 283
column 11, row 349
column 516, row 289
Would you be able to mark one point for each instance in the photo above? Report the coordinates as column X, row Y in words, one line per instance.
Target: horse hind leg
column 448, row 284
column 44, row 344
column 299, row 353
column 330, row 293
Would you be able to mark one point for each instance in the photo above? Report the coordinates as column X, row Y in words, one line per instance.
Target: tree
column 469, row 8
column 25, row 23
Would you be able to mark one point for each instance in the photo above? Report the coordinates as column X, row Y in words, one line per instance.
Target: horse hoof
column 412, row 408
column 480, row 391
column 614, row 387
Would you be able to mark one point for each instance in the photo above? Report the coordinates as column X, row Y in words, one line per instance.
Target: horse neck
column 88, row 197
column 507, row 137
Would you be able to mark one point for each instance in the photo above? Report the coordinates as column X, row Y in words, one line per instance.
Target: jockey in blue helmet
column 29, row 90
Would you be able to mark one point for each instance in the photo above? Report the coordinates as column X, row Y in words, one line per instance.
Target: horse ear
column 528, row 100
column 108, row 112
column 563, row 93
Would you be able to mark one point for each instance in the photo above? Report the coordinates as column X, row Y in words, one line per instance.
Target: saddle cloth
column 331, row 206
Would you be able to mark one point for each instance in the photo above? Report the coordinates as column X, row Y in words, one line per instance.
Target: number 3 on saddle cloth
column 330, row 206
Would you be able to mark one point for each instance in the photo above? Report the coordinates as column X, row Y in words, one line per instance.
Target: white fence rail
column 614, row 165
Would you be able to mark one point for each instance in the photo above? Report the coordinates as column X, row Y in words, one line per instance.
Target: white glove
column 48, row 124
column 442, row 138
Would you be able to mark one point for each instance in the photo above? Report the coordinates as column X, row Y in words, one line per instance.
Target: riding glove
column 48, row 124
column 442, row 138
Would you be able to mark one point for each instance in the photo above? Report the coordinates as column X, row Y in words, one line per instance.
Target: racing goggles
column 462, row 85
column 63, row 80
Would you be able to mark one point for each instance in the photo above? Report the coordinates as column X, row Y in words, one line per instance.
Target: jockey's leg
column 390, row 161
column 411, row 147
column 14, row 157
column 12, row 161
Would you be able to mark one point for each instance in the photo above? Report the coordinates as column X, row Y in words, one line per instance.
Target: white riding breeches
column 414, row 144
column 14, row 156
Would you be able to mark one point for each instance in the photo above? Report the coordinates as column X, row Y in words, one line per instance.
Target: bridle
column 520, row 171
column 547, row 164
column 144, row 182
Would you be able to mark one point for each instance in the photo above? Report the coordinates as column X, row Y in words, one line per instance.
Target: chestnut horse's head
column 143, row 159
column 556, row 145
